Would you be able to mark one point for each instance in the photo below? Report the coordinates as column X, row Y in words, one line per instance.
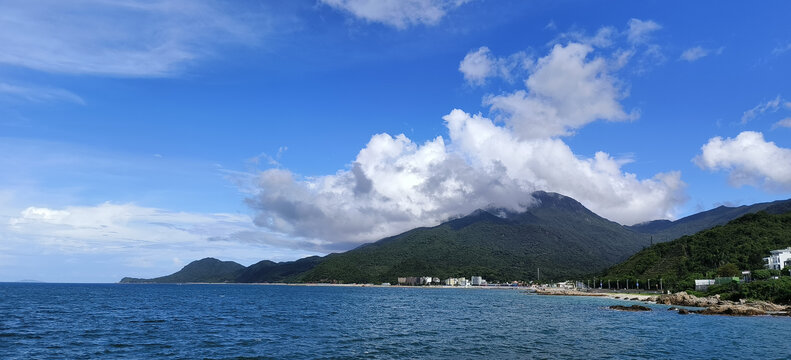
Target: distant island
column 559, row 236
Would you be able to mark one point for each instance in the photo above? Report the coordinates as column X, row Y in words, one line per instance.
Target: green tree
column 728, row 270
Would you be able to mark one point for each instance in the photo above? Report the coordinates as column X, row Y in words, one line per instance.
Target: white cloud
column 697, row 52
column 395, row 184
column 565, row 92
column 749, row 160
column 118, row 38
column 111, row 227
column 397, row 13
column 694, row 53
column 479, row 65
column 770, row 106
column 140, row 241
column 39, row 94
column 640, row 30
column 783, row 123
column 603, row 38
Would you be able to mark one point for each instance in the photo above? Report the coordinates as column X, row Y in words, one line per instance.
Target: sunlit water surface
column 296, row 322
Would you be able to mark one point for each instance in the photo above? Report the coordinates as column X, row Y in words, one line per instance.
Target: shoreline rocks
column 713, row 305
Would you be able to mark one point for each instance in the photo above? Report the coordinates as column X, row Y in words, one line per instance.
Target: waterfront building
column 477, row 281
column 778, row 259
column 451, row 282
column 703, row 284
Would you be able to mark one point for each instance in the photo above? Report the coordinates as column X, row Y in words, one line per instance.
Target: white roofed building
column 778, row 259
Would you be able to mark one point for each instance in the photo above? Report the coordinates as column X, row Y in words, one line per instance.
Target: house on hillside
column 778, row 259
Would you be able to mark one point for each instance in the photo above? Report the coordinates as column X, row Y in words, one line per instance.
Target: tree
column 728, row 270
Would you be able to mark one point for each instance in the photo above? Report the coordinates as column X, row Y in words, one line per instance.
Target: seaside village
column 777, row 260
column 428, row 280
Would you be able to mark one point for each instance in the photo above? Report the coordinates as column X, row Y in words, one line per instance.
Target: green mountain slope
column 269, row 271
column 744, row 242
column 208, row 270
column 560, row 236
column 665, row 230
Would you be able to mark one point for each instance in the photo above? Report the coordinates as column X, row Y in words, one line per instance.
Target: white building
column 477, row 281
column 703, row 284
column 779, row 259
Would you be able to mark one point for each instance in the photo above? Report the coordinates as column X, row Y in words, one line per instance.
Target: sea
column 136, row 321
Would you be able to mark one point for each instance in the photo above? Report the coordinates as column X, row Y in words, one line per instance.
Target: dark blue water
column 295, row 322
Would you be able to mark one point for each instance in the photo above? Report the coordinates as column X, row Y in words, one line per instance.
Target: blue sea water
column 95, row 321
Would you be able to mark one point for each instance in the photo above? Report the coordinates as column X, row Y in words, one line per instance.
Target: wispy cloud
column 781, row 49
column 769, row 106
column 786, row 123
column 38, row 94
column 397, row 13
column 640, row 30
column 127, row 38
column 143, row 241
column 697, row 52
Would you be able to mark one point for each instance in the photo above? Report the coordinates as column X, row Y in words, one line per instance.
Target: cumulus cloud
column 640, row 30
column 769, row 106
column 118, row 38
column 479, row 65
column 565, row 92
column 749, row 160
column 397, row 13
column 395, row 184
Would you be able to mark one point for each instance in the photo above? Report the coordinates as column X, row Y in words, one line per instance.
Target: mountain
column 269, row 271
column 666, row 230
column 208, row 270
column 743, row 242
column 559, row 236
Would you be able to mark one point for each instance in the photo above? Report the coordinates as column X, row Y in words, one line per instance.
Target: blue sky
column 140, row 135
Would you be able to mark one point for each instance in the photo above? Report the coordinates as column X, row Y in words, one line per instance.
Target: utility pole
column 660, row 285
column 608, row 285
column 539, row 275
column 627, row 284
column 649, row 284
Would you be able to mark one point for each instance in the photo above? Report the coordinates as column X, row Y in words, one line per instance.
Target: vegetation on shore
column 721, row 251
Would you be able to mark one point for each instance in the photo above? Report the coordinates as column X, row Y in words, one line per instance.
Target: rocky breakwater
column 715, row 306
